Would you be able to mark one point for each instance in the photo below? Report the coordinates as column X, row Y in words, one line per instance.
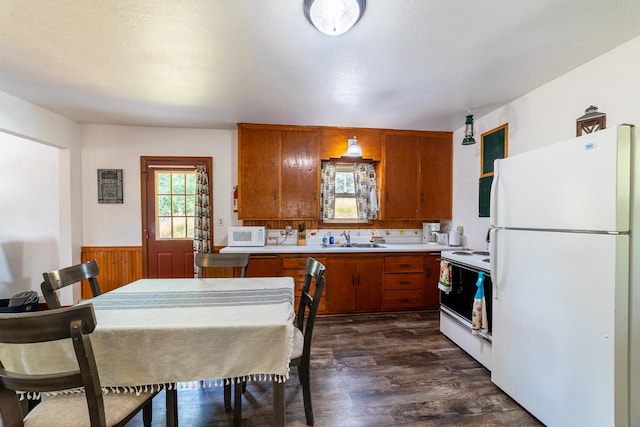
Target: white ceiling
column 408, row 64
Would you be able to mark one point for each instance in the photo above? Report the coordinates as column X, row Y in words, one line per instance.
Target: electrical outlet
column 288, row 230
column 220, row 221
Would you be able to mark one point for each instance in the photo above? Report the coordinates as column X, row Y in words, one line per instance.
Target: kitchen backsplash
column 313, row 237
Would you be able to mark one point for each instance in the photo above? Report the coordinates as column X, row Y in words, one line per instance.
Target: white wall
column 543, row 116
column 547, row 115
column 30, row 213
column 40, row 219
column 120, row 147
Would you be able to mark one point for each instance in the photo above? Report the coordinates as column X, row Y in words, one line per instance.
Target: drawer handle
column 404, row 282
column 405, row 265
column 403, row 300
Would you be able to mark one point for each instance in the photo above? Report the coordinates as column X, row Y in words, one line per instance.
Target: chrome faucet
column 347, row 236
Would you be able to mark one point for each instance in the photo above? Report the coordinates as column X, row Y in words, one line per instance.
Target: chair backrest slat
column 206, row 260
column 58, row 279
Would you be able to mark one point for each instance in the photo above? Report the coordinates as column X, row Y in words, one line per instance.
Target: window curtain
column 201, row 241
column 365, row 186
column 328, row 191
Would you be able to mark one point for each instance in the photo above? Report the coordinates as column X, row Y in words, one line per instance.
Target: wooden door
column 400, row 177
column 259, row 173
column 168, row 202
column 300, row 175
column 435, row 176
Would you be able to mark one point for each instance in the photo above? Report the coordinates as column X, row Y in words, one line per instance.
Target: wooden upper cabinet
column 279, row 175
column 258, row 173
column 400, row 178
column 417, row 175
column 300, row 177
column 436, row 175
column 333, row 142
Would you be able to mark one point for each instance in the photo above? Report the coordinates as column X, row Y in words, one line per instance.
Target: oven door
column 459, row 302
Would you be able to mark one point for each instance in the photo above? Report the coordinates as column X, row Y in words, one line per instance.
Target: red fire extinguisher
column 235, row 199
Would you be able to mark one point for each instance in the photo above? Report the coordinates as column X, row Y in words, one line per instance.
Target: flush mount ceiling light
column 334, row 17
column 353, row 149
column 468, row 131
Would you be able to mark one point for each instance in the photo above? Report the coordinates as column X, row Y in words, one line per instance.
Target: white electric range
column 456, row 306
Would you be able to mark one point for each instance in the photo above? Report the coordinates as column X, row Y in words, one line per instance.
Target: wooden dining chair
column 89, row 408
column 312, row 290
column 303, row 332
column 217, row 260
column 58, row 279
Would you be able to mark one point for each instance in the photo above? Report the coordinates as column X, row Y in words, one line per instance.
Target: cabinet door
column 258, row 173
column 369, row 284
column 300, row 176
column 264, row 266
column 435, row 177
column 341, row 285
column 431, row 292
column 354, row 284
column 400, row 177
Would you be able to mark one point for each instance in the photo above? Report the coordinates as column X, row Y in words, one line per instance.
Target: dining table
column 173, row 333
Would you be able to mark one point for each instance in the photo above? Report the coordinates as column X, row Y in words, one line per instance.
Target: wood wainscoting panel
column 118, row 265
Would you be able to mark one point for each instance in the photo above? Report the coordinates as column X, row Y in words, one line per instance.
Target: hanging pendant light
column 468, row 131
column 334, row 17
column 353, row 149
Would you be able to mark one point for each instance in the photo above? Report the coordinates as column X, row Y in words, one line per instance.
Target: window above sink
column 348, row 192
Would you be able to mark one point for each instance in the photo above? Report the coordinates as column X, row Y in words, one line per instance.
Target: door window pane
column 175, row 204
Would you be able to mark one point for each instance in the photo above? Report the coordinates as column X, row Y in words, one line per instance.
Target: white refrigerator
column 561, row 248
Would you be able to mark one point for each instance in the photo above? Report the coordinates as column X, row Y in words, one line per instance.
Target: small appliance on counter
column 430, row 232
column 247, row 236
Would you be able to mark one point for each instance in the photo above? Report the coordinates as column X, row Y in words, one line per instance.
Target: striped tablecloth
column 159, row 331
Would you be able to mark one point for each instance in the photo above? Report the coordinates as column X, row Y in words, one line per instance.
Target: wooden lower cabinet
column 296, row 267
column 353, row 284
column 403, row 282
column 264, row 266
column 118, row 266
column 361, row 282
column 431, row 291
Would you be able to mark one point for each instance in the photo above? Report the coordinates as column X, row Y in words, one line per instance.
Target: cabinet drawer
column 403, row 264
column 297, row 262
column 401, row 299
column 297, row 274
column 403, row 281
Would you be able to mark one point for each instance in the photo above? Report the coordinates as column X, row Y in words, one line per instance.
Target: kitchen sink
column 365, row 245
column 357, row 245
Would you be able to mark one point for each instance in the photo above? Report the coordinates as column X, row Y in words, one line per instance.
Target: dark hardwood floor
column 370, row 370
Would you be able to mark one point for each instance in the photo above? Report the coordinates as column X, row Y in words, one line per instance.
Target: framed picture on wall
column 493, row 145
column 110, row 186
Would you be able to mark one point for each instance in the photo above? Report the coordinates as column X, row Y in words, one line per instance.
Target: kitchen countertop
column 336, row 249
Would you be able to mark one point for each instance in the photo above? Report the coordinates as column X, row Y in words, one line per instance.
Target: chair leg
column 237, row 404
column 147, row 414
column 306, row 391
column 227, row 397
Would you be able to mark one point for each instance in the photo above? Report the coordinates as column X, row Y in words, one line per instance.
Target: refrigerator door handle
column 493, row 195
column 493, row 260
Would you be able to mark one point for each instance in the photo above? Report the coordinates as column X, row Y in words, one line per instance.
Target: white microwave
column 247, row 236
